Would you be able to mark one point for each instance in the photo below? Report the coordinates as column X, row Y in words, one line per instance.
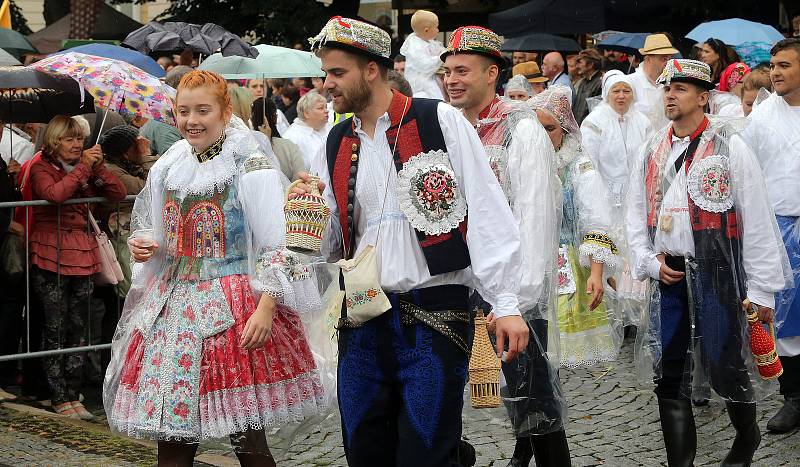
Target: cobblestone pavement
column 612, row 422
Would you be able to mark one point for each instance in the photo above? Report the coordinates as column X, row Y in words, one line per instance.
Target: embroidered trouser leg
column 66, row 302
column 716, row 342
column 401, row 391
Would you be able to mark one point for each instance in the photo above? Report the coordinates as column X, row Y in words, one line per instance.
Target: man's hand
column 668, row 275
column 513, row 331
column 304, row 187
column 765, row 314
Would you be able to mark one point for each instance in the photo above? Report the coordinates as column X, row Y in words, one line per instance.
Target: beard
column 355, row 99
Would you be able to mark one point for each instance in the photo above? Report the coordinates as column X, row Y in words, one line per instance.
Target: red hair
column 214, row 83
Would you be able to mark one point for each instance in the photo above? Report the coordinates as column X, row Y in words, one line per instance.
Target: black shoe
column 748, row 437
column 551, row 450
column 787, row 418
column 466, row 454
column 700, row 402
column 523, row 453
column 680, row 435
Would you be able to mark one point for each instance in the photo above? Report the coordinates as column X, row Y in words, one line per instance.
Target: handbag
column 12, row 265
column 364, row 296
column 110, row 271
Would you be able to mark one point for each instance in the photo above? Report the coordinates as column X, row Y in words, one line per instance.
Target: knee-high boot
column 551, row 450
column 680, row 435
column 748, row 436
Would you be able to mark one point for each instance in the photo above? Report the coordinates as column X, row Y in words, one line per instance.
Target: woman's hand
column 259, row 326
column 141, row 249
column 93, row 156
column 303, row 188
column 594, row 285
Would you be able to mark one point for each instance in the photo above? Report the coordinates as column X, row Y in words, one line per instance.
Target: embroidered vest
column 420, row 133
column 712, row 213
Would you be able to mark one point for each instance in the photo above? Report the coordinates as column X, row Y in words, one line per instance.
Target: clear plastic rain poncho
column 587, row 337
column 178, row 371
column 521, row 157
column 717, row 215
column 520, row 84
column 614, row 141
column 773, row 136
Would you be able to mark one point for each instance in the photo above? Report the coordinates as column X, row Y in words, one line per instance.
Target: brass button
column 354, row 157
column 355, row 147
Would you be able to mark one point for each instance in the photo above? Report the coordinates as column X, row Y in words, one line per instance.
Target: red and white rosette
column 429, row 195
column 709, row 184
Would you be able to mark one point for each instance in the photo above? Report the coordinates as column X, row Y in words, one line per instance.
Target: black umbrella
column 540, row 41
column 550, row 16
column 178, row 36
column 32, row 96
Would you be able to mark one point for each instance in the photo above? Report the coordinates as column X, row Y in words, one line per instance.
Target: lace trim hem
column 599, row 248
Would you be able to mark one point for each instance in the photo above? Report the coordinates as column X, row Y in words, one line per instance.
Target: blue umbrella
column 735, row 31
column 624, row 41
column 137, row 59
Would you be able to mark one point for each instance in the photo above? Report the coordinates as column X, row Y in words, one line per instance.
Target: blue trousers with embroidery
column 401, row 389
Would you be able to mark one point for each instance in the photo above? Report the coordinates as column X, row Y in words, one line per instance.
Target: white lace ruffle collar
column 185, row 174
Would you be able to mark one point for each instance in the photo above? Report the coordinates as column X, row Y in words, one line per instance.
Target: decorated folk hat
column 687, row 71
column 475, row 40
column 530, row 70
column 657, row 44
column 357, row 37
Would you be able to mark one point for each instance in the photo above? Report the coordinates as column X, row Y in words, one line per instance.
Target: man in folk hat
column 523, row 160
column 591, row 83
column 531, row 72
column 699, row 223
column 403, row 176
column 772, row 133
column 657, row 51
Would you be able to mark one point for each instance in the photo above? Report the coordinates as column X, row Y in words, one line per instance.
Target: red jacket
column 66, row 227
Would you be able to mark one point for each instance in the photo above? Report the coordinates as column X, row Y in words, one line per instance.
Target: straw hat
column 531, row 71
column 657, row 44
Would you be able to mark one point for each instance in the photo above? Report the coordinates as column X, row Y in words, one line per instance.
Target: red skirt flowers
column 187, row 377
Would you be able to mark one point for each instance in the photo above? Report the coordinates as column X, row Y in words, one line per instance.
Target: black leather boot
column 551, row 450
column 680, row 435
column 523, row 453
column 787, row 418
column 748, row 437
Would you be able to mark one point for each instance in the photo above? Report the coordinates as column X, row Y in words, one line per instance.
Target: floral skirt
column 586, row 337
column 178, row 385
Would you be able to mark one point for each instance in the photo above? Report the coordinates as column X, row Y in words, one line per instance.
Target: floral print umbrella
column 115, row 85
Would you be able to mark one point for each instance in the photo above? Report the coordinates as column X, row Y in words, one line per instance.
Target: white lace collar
column 185, row 174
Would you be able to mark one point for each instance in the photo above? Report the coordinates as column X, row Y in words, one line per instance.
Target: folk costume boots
column 748, row 437
column 787, row 418
column 680, row 435
column 548, row 450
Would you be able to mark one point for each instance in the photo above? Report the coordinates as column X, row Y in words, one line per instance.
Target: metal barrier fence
column 112, row 206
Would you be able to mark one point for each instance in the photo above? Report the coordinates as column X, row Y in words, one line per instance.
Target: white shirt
column 649, row 97
column 422, row 62
column 773, row 133
column 310, row 141
column 282, row 124
column 761, row 243
column 16, row 144
column 492, row 234
column 725, row 104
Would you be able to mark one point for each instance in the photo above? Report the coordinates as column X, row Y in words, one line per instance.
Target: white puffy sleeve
column 764, row 257
column 642, row 259
column 536, row 194
column 593, row 215
column 273, row 269
column 492, row 232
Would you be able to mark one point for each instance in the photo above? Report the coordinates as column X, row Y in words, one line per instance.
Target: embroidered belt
column 411, row 314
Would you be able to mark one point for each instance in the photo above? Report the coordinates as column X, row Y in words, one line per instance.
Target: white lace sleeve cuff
column 598, row 247
column 276, row 269
column 507, row 305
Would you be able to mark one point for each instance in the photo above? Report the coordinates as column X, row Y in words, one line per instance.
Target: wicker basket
column 484, row 368
column 306, row 219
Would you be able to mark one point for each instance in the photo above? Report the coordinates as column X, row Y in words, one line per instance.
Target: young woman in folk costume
column 211, row 342
column 588, row 333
